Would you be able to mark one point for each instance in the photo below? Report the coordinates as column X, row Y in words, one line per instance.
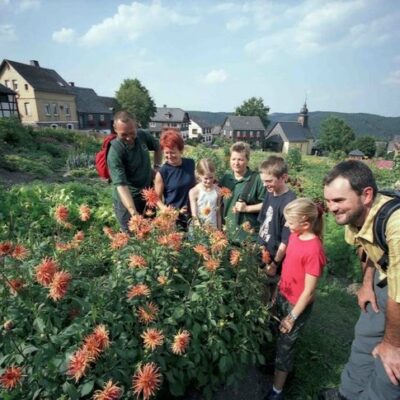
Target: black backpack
column 380, row 224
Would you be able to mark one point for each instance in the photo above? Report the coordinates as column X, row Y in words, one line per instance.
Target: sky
column 210, row 55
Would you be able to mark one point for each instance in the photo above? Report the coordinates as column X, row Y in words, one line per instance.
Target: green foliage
column 338, row 155
column 294, row 159
column 13, row 132
column 254, row 107
column 80, row 160
column 366, row 144
column 135, row 98
column 335, row 135
column 200, row 151
column 381, row 149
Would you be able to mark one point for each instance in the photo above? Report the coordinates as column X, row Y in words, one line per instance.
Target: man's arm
column 157, row 157
column 366, row 293
column 126, row 199
column 389, row 349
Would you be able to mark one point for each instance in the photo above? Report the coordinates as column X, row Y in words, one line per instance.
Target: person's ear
column 368, row 195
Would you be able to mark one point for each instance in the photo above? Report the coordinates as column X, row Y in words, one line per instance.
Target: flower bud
column 8, row 325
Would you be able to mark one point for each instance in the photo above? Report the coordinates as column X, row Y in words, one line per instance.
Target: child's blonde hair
column 305, row 210
column 205, row 166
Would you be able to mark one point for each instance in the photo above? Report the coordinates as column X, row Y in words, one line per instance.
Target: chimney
column 72, row 84
column 165, row 106
column 34, row 63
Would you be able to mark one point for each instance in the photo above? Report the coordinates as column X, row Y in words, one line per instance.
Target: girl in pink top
column 302, row 267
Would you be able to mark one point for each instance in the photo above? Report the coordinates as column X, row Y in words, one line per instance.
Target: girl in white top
column 205, row 198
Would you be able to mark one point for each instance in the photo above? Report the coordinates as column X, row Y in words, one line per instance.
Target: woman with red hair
column 176, row 177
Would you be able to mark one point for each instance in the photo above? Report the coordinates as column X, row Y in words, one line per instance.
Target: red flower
column 11, row 377
column 79, row 236
column 61, row 214
column 78, row 364
column 109, row 392
column 59, row 285
column 148, row 313
column 45, row 271
column 152, row 338
column 6, row 248
column 20, row 252
column 181, row 342
column 151, row 197
column 225, row 192
column 138, row 290
column 146, row 380
column 84, row 212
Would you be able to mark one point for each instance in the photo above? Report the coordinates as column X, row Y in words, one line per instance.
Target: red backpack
column 101, row 157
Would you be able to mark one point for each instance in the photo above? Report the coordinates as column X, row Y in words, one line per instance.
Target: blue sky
column 211, row 56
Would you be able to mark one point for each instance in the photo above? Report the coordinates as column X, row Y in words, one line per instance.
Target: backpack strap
column 379, row 229
column 247, row 188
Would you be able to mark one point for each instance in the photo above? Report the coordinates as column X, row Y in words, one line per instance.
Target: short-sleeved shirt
column 130, row 165
column 365, row 238
column 273, row 231
column 178, row 180
column 302, row 257
column 234, row 221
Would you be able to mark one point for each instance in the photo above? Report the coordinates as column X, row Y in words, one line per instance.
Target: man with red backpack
column 129, row 166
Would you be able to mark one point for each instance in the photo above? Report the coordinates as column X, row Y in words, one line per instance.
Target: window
column 54, row 126
column 47, row 109
column 102, row 118
column 8, row 83
column 70, row 126
column 55, row 109
column 26, row 86
column 251, row 133
column 90, row 117
column 152, row 124
column 67, row 110
column 28, row 110
column 15, row 84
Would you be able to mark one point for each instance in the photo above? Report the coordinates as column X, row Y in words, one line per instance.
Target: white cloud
column 25, row 5
column 393, row 79
column 237, row 23
column 64, row 35
column 216, row 76
column 7, row 33
column 134, row 20
column 223, row 7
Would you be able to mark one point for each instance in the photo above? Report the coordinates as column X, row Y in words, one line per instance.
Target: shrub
column 294, row 159
column 13, row 132
column 80, row 160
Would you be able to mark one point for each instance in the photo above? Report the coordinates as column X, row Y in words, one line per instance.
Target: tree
column 336, row 135
column 366, row 144
column 135, row 98
column 254, row 107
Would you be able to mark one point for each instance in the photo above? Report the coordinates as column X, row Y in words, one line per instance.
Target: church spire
column 303, row 116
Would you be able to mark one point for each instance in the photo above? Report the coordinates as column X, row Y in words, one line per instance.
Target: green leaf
column 70, row 389
column 86, row 388
column 179, row 312
column 39, row 324
column 29, row 349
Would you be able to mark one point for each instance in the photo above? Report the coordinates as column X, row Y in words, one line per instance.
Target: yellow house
column 44, row 98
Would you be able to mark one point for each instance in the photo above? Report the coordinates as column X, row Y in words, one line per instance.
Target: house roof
column 293, row 131
column 42, row 79
column 110, row 102
column 5, row 89
column 87, row 101
column 201, row 122
column 245, row 123
column 356, row 153
column 167, row 114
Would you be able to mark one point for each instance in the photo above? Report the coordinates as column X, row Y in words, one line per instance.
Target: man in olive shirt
column 128, row 161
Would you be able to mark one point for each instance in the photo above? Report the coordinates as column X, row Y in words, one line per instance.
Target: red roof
column 384, row 164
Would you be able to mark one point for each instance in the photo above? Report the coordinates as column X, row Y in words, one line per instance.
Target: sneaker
column 271, row 395
column 330, row 394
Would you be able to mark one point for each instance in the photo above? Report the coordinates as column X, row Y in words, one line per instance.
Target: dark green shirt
column 130, row 165
column 233, row 221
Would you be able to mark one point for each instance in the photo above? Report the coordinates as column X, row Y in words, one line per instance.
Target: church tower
column 303, row 116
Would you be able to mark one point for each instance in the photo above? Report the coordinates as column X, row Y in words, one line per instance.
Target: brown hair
column 124, row 116
column 241, row 147
column 205, row 166
column 275, row 166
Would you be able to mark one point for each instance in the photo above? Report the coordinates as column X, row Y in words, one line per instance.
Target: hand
column 366, row 295
column 286, row 325
column 183, row 210
column 240, row 206
column 390, row 357
column 270, row 269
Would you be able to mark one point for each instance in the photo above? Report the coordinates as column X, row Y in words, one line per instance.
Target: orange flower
column 172, row 240
column 146, row 380
column 91, row 347
column 212, row 264
column 218, row 241
column 109, row 392
column 64, row 246
column 140, row 226
column 78, row 364
column 138, row 290
column 246, row 226
column 202, row 251
column 148, row 313
column 137, row 261
column 109, row 232
column 59, row 285
column 45, row 271
column 61, row 214
column 162, row 280
column 119, row 240
column 101, row 335
column 152, row 338
column 11, row 377
column 16, row 285
column 206, row 210
column 151, row 197
column 234, row 257
column 265, row 256
column 84, row 212
column 225, row 192
column 20, row 252
column 6, row 248
column 79, row 236
column 181, row 342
